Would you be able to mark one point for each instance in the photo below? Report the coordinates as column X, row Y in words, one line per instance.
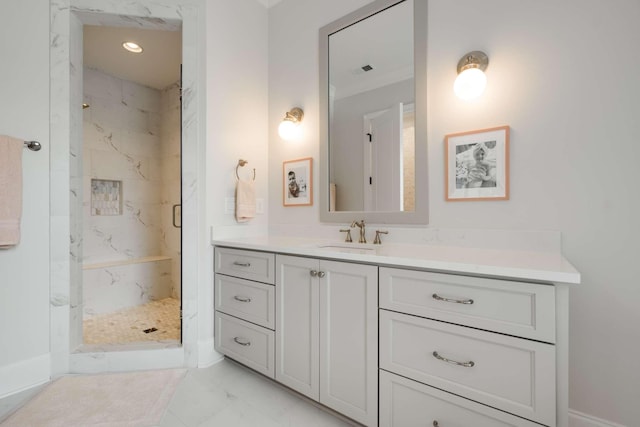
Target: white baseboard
column 578, row 419
column 25, row 374
column 207, row 355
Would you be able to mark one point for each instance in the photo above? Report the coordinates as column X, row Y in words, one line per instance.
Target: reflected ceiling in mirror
column 369, row 60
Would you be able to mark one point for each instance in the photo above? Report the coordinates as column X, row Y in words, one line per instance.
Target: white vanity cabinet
column 400, row 345
column 327, row 333
column 486, row 340
column 245, row 307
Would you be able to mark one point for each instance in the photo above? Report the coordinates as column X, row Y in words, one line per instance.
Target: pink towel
column 10, row 190
column 245, row 200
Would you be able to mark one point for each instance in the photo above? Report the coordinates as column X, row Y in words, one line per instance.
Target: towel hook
column 241, row 163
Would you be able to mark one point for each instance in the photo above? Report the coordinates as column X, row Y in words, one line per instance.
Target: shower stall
column 131, row 201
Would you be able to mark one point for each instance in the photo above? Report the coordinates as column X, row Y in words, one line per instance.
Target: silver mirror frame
column 421, row 213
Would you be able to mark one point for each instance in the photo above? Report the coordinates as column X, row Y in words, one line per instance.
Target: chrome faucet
column 360, row 225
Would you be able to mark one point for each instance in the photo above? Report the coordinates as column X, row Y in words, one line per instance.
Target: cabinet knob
column 321, row 274
column 435, row 423
column 313, row 273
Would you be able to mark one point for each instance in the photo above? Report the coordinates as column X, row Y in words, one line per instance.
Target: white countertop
column 513, row 264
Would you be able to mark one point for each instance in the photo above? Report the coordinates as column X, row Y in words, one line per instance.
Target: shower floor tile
column 128, row 325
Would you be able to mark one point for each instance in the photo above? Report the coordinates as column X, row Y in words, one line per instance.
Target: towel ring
column 241, row 163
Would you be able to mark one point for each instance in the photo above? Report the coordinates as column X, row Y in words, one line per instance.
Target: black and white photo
column 477, row 165
column 297, row 182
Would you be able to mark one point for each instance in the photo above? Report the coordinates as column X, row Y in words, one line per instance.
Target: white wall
column 236, row 108
column 563, row 75
column 236, row 103
column 24, row 270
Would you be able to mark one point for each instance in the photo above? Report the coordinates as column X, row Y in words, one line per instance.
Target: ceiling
column 158, row 66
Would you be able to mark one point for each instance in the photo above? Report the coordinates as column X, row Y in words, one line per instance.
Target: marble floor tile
column 12, row 403
column 228, row 395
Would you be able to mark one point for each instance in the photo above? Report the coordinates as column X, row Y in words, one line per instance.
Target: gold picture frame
column 297, row 182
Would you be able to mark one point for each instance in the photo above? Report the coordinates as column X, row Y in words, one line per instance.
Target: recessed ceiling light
column 132, row 47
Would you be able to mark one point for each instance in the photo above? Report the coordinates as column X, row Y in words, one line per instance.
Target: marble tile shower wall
column 117, row 287
column 171, row 184
column 123, row 142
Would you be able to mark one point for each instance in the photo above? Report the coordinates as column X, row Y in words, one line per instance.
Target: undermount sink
column 351, row 248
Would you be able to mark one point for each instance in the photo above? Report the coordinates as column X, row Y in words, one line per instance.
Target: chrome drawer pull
column 313, row 273
column 241, row 341
column 321, row 274
column 444, row 359
column 457, row 301
column 242, row 264
column 242, row 299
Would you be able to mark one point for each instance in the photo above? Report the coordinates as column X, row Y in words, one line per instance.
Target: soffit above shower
column 158, row 66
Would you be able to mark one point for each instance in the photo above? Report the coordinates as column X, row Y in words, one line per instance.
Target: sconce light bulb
column 470, row 84
column 289, row 130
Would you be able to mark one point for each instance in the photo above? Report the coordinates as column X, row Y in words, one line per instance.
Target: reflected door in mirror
column 371, row 115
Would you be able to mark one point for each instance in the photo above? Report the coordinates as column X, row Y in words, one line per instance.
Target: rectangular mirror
column 373, row 115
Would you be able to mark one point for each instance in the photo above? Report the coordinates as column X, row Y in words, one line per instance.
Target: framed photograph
column 297, row 185
column 477, row 165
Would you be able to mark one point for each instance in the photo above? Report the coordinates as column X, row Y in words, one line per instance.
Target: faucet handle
column 377, row 240
column 348, row 237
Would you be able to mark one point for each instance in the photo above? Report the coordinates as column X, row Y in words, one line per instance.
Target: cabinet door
column 297, row 324
column 349, row 339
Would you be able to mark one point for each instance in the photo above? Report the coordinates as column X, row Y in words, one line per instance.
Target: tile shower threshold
column 134, row 346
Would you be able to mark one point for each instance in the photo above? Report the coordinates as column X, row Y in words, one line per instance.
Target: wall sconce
column 471, row 79
column 289, row 128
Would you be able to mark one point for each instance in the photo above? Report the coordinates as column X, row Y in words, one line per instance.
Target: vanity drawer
column 245, row 342
column 248, row 300
column 515, row 308
column 406, row 403
column 251, row 265
column 512, row 374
